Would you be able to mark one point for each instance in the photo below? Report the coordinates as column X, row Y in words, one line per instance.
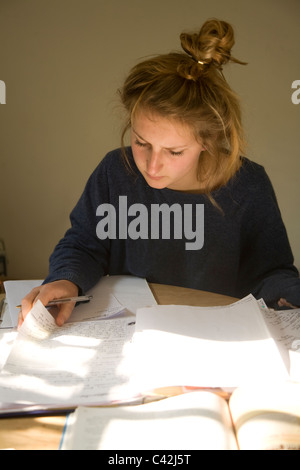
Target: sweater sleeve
column 80, row 256
column 266, row 259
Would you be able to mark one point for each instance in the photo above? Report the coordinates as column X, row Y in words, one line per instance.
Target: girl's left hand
column 284, row 303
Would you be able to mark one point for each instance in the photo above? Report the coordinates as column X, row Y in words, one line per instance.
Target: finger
column 285, row 303
column 20, row 320
column 57, row 290
column 29, row 300
column 64, row 313
column 45, row 294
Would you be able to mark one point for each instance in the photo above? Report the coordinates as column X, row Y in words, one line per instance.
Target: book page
column 267, row 418
column 205, row 346
column 73, row 364
column 196, row 420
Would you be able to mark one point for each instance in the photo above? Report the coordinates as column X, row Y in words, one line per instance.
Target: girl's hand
column 284, row 303
column 47, row 292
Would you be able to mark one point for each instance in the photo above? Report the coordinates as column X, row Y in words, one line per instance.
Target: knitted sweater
column 242, row 248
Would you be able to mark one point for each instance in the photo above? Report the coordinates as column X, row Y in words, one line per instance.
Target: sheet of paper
column 5, row 321
column 7, row 338
column 73, row 364
column 209, row 347
column 15, row 291
column 110, row 296
column 99, row 307
column 197, row 420
column 113, row 294
column 284, row 325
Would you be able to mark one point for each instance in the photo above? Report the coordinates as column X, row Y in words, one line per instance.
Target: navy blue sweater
column 245, row 250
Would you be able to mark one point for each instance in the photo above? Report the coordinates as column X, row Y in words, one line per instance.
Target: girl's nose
column 154, row 163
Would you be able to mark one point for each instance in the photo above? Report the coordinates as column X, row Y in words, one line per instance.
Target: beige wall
column 62, row 61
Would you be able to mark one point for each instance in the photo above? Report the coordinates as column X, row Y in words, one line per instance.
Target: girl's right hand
column 47, row 292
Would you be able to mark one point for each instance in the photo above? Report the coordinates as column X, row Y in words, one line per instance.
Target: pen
column 81, row 298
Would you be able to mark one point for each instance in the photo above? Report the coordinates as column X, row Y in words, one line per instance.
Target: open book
column 260, row 419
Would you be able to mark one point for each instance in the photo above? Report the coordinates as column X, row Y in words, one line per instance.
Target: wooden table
column 44, row 433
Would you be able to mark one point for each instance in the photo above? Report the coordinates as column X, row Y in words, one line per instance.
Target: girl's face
column 165, row 152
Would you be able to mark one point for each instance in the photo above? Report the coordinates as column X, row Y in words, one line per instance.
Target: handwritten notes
column 284, row 325
column 73, row 364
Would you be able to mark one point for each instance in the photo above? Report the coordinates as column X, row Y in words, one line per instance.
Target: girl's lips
column 155, row 178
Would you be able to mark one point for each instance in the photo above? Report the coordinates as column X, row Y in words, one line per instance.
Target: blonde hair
column 190, row 87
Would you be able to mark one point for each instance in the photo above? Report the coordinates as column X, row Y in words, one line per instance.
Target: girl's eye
column 176, row 154
column 140, row 144
column 143, row 145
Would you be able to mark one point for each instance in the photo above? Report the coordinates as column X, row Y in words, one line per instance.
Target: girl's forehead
column 146, row 124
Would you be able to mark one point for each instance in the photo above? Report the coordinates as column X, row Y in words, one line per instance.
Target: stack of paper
column 99, row 361
column 80, row 362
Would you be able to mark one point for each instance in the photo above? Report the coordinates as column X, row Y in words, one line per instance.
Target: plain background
column 62, row 62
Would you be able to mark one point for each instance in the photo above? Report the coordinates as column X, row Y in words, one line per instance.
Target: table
column 44, row 433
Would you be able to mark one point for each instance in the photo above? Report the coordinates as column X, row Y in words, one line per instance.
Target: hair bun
column 212, row 45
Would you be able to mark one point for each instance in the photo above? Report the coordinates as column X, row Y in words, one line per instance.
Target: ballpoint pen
column 64, row 300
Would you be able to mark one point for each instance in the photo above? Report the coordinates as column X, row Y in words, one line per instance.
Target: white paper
column 284, row 325
column 7, row 338
column 113, row 294
column 15, row 291
column 205, row 346
column 6, row 321
column 73, row 364
column 33, row 374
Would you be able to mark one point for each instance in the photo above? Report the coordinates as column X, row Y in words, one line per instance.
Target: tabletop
column 44, row 433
